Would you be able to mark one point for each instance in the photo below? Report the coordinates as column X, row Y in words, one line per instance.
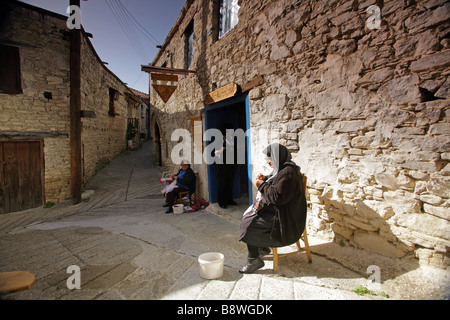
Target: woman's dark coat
column 188, row 180
column 283, row 221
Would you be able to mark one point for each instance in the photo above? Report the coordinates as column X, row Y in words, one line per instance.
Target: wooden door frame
column 212, row 175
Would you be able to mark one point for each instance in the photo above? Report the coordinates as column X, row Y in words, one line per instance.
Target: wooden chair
column 15, row 281
column 188, row 194
column 304, row 238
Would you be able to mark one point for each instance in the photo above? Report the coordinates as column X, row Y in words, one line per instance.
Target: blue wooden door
column 234, row 111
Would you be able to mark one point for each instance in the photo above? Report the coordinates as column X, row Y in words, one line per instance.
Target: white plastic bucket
column 211, row 265
column 178, row 208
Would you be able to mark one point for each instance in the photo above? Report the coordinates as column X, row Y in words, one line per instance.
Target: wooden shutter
column 10, row 80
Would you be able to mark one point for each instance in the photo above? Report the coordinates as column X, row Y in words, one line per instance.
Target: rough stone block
column 440, row 128
column 428, row 18
column 426, row 224
column 279, row 52
column 404, row 90
column 417, row 44
column 437, row 60
column 377, row 76
column 400, row 203
column 370, row 142
column 372, row 209
column 444, row 90
column 439, row 185
column 342, row 47
column 355, row 222
column 342, row 231
column 374, row 243
column 436, row 210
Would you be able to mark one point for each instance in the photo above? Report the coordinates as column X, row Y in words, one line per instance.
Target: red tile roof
column 140, row 93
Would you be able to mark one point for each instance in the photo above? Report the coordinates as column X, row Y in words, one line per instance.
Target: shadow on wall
column 358, row 234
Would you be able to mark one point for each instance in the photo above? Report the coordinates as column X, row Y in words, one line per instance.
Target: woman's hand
column 261, row 177
column 259, row 182
column 219, row 152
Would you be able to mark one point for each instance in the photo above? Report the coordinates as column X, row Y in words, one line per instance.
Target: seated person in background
column 185, row 181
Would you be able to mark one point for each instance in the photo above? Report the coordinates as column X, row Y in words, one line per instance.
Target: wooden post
column 75, row 112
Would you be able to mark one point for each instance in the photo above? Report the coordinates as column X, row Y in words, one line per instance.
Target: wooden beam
column 164, row 77
column 32, row 135
column 75, row 112
column 151, row 69
column 221, row 94
column 252, row 84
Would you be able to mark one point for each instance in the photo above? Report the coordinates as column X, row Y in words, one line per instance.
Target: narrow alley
column 127, row 248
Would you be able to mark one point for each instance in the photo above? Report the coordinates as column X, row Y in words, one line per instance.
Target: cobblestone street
column 127, row 248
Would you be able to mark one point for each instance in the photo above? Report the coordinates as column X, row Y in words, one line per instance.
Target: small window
column 113, row 95
column 189, row 34
column 228, row 16
column 10, row 80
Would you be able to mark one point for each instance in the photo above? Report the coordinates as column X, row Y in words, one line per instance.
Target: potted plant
column 131, row 132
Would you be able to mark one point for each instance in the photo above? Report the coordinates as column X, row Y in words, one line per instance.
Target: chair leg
column 304, row 237
column 308, row 251
column 275, row 260
column 298, row 245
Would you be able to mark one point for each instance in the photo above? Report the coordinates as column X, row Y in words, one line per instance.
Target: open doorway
column 157, row 154
column 234, row 111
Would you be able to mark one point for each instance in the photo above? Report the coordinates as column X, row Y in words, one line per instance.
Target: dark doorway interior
column 234, row 111
column 157, row 145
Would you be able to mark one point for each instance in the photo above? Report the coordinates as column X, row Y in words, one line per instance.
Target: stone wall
column 44, row 62
column 103, row 137
column 364, row 111
column 44, row 44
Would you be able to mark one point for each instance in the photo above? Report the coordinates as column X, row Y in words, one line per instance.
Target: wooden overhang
column 231, row 90
column 150, row 69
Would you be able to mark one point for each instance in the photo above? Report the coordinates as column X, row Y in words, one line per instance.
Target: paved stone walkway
column 127, row 248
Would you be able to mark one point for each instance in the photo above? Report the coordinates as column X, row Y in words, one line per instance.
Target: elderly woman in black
column 185, row 181
column 278, row 216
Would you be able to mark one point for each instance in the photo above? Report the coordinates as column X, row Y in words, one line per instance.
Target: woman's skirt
column 256, row 228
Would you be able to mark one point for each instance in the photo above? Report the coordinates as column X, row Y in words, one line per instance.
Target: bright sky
column 124, row 51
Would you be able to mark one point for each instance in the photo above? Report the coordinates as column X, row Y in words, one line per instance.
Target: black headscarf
column 280, row 156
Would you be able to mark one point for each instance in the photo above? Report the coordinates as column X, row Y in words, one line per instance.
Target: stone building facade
column 142, row 113
column 39, row 110
column 361, row 98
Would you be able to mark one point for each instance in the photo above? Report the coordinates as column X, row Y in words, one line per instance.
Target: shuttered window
column 10, row 80
column 189, row 33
